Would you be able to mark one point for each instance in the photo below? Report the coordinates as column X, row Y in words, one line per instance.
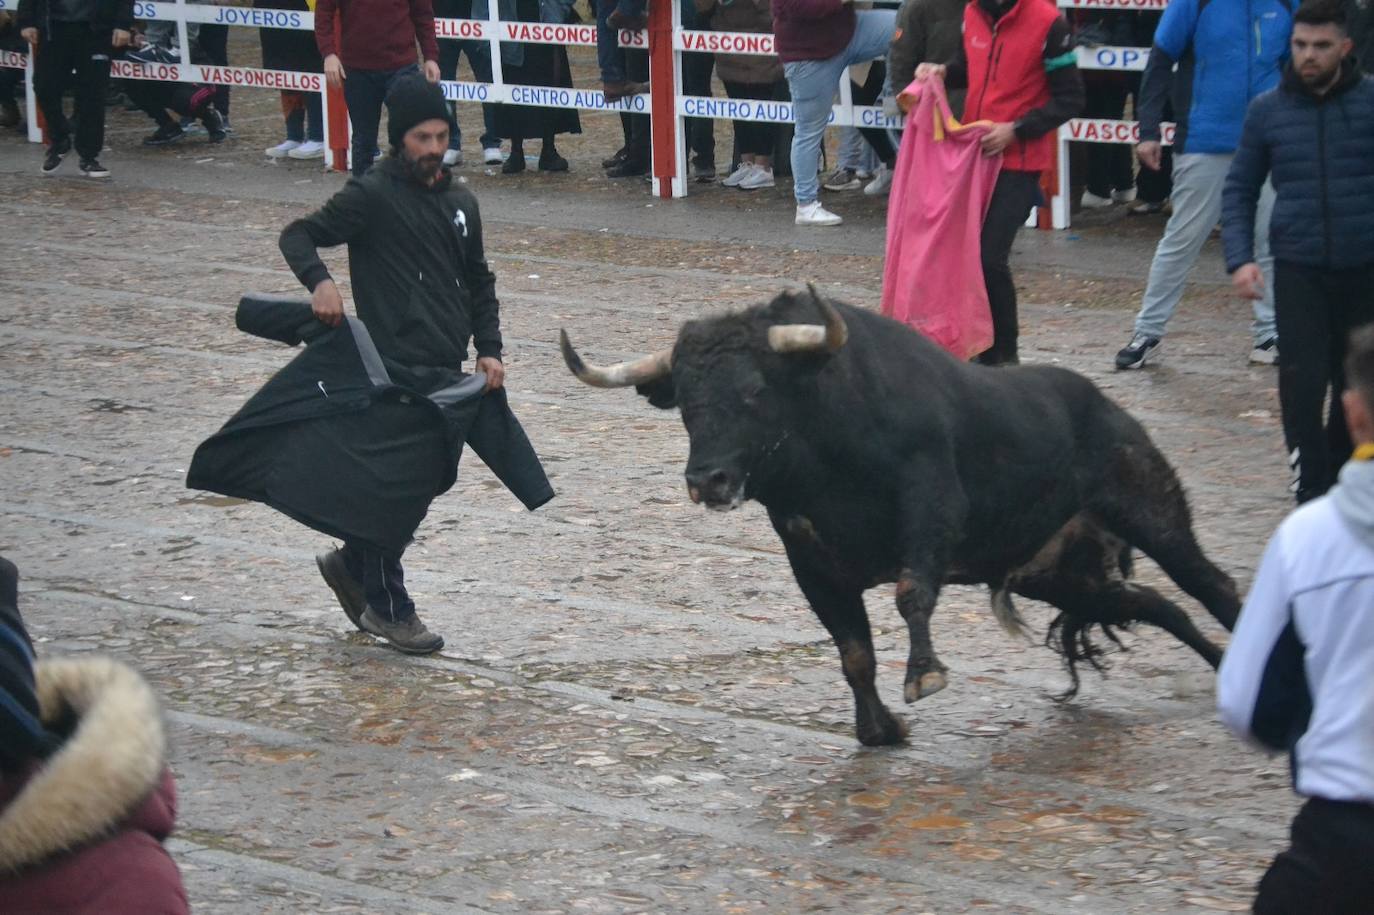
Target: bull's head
column 739, row 380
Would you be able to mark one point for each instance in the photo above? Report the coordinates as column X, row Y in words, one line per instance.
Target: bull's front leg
column 931, row 524
column 840, row 608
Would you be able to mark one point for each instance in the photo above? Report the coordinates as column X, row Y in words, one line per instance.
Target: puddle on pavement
column 213, row 501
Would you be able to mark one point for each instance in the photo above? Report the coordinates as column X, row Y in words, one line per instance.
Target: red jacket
column 81, row 832
column 377, row 34
column 1006, row 73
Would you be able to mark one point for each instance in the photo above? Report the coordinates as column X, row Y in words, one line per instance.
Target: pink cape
column 941, row 187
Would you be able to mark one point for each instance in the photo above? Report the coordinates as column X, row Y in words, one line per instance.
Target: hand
column 432, row 71
column 1248, row 281
column 1150, row 152
column 930, row 71
column 30, row 35
column 327, row 304
column 120, row 38
column 334, row 71
column 496, row 372
column 998, row 138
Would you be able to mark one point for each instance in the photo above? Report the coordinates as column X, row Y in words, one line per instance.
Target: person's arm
column 1066, row 86
column 422, row 17
column 1172, row 38
column 26, row 21
column 1261, row 685
column 343, row 218
column 908, row 46
column 1240, row 199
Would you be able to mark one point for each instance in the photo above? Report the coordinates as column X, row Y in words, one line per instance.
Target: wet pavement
column 636, row 711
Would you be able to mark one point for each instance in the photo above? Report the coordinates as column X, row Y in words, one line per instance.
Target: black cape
column 352, row 444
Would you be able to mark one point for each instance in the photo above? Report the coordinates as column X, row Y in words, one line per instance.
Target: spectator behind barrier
column 156, row 98
column 749, row 76
column 294, row 49
column 9, row 77
column 529, row 64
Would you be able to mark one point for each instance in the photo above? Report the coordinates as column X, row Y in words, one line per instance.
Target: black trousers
column 382, row 579
column 1315, row 311
column 753, row 138
column 867, row 94
column 1327, row 868
column 72, row 46
column 701, row 132
column 1012, row 199
column 1110, row 165
column 214, row 44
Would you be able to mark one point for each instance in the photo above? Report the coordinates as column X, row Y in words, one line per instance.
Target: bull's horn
column 806, row 338
column 621, row 375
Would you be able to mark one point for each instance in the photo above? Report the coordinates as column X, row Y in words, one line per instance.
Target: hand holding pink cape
column 941, row 187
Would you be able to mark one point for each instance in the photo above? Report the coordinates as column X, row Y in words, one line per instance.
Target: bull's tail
column 1007, row 615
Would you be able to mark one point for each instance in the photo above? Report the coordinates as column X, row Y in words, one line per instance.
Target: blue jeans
column 814, row 83
column 479, row 59
column 610, row 57
column 1198, row 180
column 364, row 93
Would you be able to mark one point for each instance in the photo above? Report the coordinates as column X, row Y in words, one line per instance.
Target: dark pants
column 753, row 138
column 479, row 59
column 364, row 93
column 73, row 46
column 304, row 115
column 1110, row 165
column 638, row 139
column 383, row 581
column 867, row 94
column 1316, row 310
column 214, row 44
column 1327, row 867
column 1012, row 199
column 696, row 80
column 610, row 57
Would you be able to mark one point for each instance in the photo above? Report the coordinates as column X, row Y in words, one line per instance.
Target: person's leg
column 1326, row 867
column 52, row 68
column 382, row 579
column 1264, row 329
column 876, row 137
column 701, row 134
column 214, row 42
column 609, row 56
column 293, row 112
column 92, row 78
column 314, row 117
column 479, row 58
column 364, row 93
column 1352, row 295
column 449, row 52
column 813, row 84
column 1198, row 180
column 1305, row 332
column 1012, row 198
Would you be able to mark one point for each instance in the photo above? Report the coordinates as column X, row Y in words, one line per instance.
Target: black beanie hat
column 413, row 100
column 22, row 736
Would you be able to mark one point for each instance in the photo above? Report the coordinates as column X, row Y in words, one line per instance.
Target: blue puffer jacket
column 1320, row 152
column 1227, row 52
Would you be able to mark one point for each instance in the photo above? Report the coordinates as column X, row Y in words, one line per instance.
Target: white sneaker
column 310, row 149
column 760, row 177
column 281, row 150
column 1091, row 201
column 813, row 214
column 1126, row 196
column 734, row 178
column 453, row 157
column 882, row 181
column 491, row 155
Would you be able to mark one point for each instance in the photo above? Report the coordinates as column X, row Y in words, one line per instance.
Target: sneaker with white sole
column 282, row 149
column 491, row 155
column 92, row 168
column 759, row 178
column 310, row 149
column 1126, row 196
column 1266, row 353
column 881, row 183
column 1134, row 354
column 734, row 178
column 813, row 214
column 453, row 157
column 52, row 161
column 842, row 179
column 408, row 635
column 1091, row 201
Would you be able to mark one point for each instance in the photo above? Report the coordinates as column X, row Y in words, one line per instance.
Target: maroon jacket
column 377, row 34
column 809, row 29
column 81, row 832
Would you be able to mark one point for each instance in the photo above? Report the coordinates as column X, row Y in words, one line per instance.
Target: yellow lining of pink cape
column 950, row 124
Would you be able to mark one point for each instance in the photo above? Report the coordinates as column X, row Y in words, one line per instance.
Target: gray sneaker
column 346, row 588
column 1266, row 353
column 408, row 635
column 1134, row 354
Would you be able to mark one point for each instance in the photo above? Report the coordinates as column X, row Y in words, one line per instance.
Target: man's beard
column 424, row 169
column 1319, row 79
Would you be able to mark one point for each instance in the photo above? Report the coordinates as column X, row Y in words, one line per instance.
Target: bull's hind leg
column 1141, row 501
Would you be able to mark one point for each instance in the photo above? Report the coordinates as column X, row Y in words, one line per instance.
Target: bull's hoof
column 928, row 684
column 884, row 733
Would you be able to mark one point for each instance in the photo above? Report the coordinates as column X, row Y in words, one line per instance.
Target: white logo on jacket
column 460, row 219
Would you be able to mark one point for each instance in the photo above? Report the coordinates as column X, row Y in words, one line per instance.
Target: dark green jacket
column 420, row 278
column 928, row 31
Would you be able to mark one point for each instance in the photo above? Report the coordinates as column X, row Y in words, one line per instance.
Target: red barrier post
column 663, row 95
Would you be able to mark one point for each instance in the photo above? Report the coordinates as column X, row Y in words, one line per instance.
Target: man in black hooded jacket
column 422, row 288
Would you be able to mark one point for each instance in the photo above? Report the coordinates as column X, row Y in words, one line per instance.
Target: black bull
column 880, row 458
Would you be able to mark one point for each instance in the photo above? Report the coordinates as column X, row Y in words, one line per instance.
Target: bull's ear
column 660, row 392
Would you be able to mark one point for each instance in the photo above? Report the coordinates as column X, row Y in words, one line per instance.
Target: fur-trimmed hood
column 102, row 774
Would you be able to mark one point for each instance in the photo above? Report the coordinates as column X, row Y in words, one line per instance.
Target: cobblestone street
column 635, row 711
